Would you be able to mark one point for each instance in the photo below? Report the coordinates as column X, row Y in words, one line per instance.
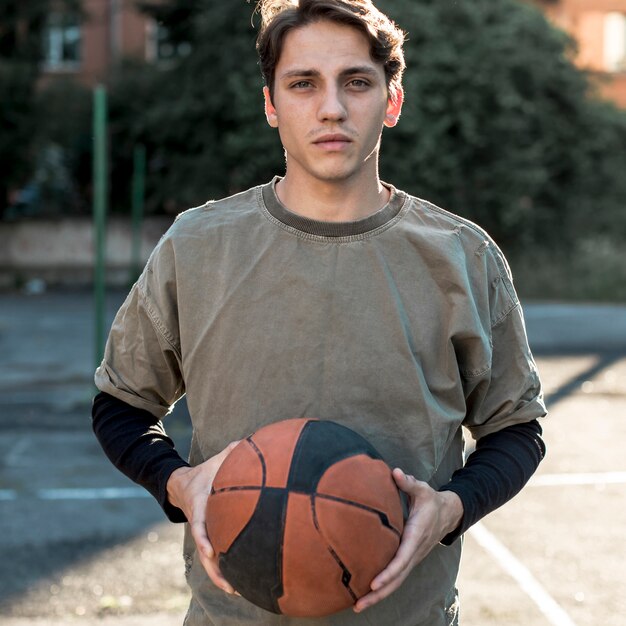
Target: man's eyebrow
column 359, row 69
column 349, row 71
column 299, row 73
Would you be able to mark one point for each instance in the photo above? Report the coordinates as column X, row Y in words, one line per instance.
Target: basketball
column 303, row 514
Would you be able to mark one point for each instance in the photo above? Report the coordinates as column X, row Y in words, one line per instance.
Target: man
column 327, row 293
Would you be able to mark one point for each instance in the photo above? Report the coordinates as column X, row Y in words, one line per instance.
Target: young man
column 330, row 294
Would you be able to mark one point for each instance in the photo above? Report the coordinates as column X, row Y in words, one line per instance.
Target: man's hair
column 279, row 17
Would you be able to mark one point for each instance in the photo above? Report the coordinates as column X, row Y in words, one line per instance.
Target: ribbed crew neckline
column 331, row 229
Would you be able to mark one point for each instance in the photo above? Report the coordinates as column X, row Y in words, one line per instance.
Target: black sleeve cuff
column 495, row 472
column 135, row 442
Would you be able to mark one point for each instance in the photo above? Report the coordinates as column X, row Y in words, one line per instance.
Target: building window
column 615, row 42
column 161, row 47
column 62, row 38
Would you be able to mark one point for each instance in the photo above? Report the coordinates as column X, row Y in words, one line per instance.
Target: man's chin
column 337, row 176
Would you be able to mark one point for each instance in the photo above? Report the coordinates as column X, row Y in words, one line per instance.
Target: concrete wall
column 61, row 252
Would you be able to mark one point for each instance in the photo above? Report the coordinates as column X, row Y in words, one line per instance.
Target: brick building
column 599, row 27
column 112, row 29
column 85, row 47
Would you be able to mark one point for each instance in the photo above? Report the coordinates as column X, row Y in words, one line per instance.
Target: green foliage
column 498, row 124
column 16, row 118
column 21, row 25
column 201, row 119
column 593, row 269
column 63, row 145
column 21, row 38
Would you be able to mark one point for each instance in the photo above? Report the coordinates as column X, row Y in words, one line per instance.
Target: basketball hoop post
column 100, row 200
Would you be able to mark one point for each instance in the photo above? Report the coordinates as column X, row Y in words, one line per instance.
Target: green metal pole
column 100, row 201
column 139, row 178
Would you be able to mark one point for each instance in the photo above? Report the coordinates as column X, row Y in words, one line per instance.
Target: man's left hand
column 432, row 515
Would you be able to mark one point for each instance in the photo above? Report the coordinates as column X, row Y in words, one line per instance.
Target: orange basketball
column 303, row 514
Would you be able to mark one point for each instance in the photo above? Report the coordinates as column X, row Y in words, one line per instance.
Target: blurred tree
column 201, row 116
column 63, row 138
column 498, row 125
column 21, row 25
column 21, row 40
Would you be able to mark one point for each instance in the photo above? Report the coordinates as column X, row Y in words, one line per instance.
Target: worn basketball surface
column 303, row 515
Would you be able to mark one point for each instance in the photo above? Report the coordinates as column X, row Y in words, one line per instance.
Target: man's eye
column 301, row 84
column 358, row 83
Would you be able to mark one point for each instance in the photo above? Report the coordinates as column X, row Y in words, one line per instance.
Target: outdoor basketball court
column 555, row 554
column 79, row 544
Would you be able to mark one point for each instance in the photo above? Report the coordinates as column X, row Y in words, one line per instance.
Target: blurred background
column 514, row 117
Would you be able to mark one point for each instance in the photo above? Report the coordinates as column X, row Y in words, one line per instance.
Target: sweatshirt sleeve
column 501, row 465
column 135, row 442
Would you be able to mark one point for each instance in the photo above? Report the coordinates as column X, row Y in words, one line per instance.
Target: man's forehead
column 325, row 47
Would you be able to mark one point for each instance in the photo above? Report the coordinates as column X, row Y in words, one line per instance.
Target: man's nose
column 332, row 107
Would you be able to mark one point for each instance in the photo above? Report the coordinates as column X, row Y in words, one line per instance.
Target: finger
column 212, row 569
column 406, row 555
column 208, row 557
column 199, row 534
column 228, row 449
column 398, row 567
column 406, row 482
column 399, row 476
column 380, row 594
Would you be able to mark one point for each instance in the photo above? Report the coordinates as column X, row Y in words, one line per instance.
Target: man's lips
column 333, row 141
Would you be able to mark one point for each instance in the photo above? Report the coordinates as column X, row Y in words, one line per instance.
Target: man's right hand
column 188, row 488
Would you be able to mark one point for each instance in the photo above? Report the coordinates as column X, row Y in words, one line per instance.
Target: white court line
column 533, row 588
column 598, row 478
column 128, row 493
column 105, row 493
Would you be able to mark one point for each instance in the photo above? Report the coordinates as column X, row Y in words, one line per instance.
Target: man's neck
column 332, row 201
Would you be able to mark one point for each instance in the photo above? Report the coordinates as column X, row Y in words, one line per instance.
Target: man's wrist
column 173, row 483
column 452, row 511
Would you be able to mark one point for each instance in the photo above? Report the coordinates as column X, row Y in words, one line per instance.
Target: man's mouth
column 334, row 141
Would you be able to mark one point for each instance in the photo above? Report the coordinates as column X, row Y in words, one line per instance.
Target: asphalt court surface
column 79, row 544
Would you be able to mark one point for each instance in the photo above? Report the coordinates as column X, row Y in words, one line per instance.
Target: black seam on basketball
column 261, row 458
column 314, row 513
column 384, row 519
column 239, row 488
column 346, row 577
column 279, row 591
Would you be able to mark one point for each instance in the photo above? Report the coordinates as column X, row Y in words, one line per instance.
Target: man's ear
column 270, row 111
column 394, row 107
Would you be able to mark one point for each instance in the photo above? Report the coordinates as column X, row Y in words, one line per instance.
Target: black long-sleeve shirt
column 136, row 443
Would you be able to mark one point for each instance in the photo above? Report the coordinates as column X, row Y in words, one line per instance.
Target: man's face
column 330, row 103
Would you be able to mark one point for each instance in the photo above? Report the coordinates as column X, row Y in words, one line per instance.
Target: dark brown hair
column 279, row 17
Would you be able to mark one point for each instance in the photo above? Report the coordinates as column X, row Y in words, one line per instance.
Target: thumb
column 402, row 479
column 227, row 450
